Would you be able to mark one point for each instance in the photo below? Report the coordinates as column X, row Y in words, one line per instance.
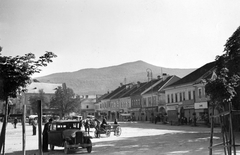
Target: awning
column 125, row 114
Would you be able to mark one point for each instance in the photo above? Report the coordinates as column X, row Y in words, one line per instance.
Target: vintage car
column 68, row 134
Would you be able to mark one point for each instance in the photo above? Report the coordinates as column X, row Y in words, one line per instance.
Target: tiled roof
column 128, row 89
column 134, row 88
column 48, row 88
column 114, row 92
column 158, row 86
column 195, row 75
column 144, row 87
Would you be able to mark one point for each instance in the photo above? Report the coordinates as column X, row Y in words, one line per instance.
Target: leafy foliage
column 226, row 87
column 33, row 101
column 65, row 100
column 15, row 71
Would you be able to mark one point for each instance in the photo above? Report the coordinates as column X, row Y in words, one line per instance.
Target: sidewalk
column 199, row 127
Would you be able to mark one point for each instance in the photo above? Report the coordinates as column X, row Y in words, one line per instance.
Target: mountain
column 99, row 81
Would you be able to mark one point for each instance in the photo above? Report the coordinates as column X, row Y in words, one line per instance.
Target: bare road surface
column 136, row 139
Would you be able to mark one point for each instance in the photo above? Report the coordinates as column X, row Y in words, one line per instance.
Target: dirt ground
column 136, row 138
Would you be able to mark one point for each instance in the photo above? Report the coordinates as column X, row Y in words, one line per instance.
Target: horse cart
column 115, row 128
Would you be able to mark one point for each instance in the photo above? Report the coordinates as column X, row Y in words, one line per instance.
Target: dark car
column 68, row 134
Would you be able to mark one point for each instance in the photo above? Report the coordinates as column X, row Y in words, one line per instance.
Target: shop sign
column 134, row 109
column 188, row 106
column 201, row 105
column 173, row 107
column 151, row 108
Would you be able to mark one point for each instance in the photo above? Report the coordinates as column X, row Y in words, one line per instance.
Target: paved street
column 137, row 138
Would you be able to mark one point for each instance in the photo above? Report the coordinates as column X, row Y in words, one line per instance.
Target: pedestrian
column 87, row 125
column 115, row 121
column 179, row 119
column 34, row 125
column 155, row 119
column 104, row 123
column 15, row 122
column 45, row 135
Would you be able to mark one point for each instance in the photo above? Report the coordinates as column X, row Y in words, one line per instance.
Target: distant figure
column 15, row 122
column 34, row 125
column 87, row 126
column 115, row 121
column 45, row 135
column 104, row 123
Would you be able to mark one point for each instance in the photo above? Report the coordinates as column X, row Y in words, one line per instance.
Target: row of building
column 166, row 95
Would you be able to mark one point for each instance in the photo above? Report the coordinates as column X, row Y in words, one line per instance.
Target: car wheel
column 66, row 147
column 51, row 147
column 89, row 148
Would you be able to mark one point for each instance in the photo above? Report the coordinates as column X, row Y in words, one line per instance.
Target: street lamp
column 149, row 75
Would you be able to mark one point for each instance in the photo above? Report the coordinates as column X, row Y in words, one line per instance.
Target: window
column 154, row 100
column 168, row 98
column 87, row 106
column 180, row 96
column 189, row 95
column 145, row 102
column 176, row 97
column 149, row 101
column 172, row 97
column 200, row 92
column 194, row 97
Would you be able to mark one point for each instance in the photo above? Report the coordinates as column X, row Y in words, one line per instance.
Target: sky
column 101, row 33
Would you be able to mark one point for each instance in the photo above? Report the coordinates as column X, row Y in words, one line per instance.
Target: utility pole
column 39, row 104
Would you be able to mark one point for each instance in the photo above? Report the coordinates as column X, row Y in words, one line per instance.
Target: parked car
column 67, row 134
column 77, row 118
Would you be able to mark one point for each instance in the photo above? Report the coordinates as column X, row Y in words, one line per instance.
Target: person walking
column 115, row 121
column 45, row 135
column 34, row 125
column 15, row 122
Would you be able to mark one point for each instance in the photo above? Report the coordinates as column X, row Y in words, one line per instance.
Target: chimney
column 164, row 76
column 138, row 84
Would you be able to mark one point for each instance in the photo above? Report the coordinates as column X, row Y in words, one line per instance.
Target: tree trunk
column 3, row 133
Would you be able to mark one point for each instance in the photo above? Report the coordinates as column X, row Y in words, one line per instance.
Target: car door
column 55, row 136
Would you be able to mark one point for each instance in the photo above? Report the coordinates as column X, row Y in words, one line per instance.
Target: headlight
column 73, row 135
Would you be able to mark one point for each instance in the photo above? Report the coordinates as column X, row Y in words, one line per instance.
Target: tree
column 15, row 73
column 65, row 100
column 224, row 91
column 225, row 87
column 33, row 101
